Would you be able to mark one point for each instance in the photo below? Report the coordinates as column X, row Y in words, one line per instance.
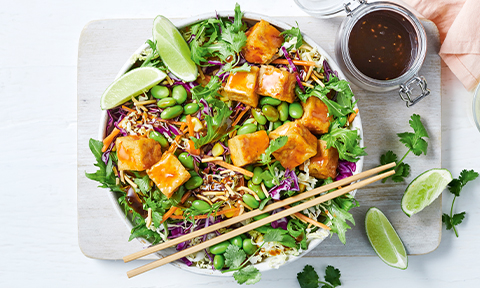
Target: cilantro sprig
column 455, row 187
column 308, row 278
column 290, row 35
column 266, row 157
column 415, row 143
column 345, row 141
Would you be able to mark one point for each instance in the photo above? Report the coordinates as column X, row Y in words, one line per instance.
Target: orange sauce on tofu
column 240, row 80
column 271, row 81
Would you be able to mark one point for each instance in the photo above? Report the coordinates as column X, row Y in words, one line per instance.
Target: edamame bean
column 186, row 160
column 200, row 205
column 192, row 173
column 283, row 111
column 172, row 112
column 269, row 184
column 277, row 124
column 248, row 168
column 257, row 175
column 159, row 92
column 295, row 110
column 183, row 119
column 250, row 121
column 179, row 94
column 166, row 102
column 258, row 116
column 218, row 262
column 194, row 182
column 287, row 121
column 219, row 248
column 270, row 112
column 250, row 201
column 247, row 129
column 190, row 108
column 269, row 101
column 237, row 241
column 157, row 136
column 342, row 120
column 249, row 247
column 261, row 216
column 260, row 127
column 257, row 189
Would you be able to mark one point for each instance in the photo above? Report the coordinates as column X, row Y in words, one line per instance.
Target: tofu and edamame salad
column 250, row 115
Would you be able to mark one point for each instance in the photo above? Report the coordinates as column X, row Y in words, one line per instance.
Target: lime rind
column 384, row 239
column 173, row 49
column 129, row 85
column 424, row 189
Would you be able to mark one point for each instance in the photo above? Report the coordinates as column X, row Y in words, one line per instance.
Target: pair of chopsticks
column 256, row 224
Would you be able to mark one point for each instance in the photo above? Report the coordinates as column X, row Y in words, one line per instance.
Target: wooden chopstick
column 255, row 224
column 256, row 212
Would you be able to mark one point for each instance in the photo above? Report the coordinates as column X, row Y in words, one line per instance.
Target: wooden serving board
column 104, row 47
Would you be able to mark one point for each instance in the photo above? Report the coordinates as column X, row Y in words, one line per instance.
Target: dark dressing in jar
column 382, row 45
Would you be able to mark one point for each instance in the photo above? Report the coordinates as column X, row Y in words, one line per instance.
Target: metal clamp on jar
column 379, row 46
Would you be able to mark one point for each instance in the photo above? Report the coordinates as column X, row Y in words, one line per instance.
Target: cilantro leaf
column 414, row 141
column 308, row 278
column 143, row 183
column 274, row 235
column 244, row 68
column 291, row 34
column 237, row 20
column 458, row 218
column 467, row 176
column 455, row 187
column 338, row 223
column 401, row 172
column 275, row 144
column 249, row 275
column 345, row 141
column 234, row 256
column 332, row 275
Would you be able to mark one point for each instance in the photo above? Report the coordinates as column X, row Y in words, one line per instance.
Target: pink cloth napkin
column 459, row 24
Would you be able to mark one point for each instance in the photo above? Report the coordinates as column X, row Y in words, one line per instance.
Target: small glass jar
column 409, row 77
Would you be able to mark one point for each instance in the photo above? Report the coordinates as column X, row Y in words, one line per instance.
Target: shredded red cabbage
column 215, row 63
column 345, row 169
column 294, row 69
column 290, row 182
column 280, row 223
column 186, row 261
column 206, row 109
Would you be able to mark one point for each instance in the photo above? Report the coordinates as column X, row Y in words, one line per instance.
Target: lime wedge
column 384, row 239
column 173, row 49
column 424, row 189
column 130, row 84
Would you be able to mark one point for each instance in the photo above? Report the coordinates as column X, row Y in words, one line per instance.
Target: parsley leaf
column 249, row 275
column 455, row 187
column 234, row 256
column 308, row 278
column 345, row 141
column 291, row 34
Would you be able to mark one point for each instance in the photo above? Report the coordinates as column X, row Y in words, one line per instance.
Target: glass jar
column 410, row 74
column 403, row 82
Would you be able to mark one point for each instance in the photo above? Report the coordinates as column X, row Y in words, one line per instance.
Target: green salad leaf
column 103, row 175
column 345, row 141
column 290, row 34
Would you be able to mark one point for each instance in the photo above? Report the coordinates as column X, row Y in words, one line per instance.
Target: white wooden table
column 38, row 242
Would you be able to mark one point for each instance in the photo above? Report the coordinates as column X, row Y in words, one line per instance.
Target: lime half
column 424, row 189
column 173, row 49
column 131, row 84
column 384, row 239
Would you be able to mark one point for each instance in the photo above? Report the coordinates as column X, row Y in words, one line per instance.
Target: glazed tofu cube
column 325, row 163
column 137, row 153
column 263, row 41
column 315, row 116
column 246, row 149
column 276, row 83
column 168, row 174
column 241, row 87
column 301, row 144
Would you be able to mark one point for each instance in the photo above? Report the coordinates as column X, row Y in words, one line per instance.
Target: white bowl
column 249, row 17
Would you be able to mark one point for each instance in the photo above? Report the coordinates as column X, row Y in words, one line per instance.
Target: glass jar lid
column 323, row 8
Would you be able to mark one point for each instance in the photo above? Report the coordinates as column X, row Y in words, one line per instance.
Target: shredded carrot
column 239, row 117
column 108, row 140
column 190, row 126
column 309, row 220
column 234, row 168
column 296, row 62
column 128, row 109
column 352, row 116
column 169, row 122
column 173, row 146
column 205, row 216
column 172, row 210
